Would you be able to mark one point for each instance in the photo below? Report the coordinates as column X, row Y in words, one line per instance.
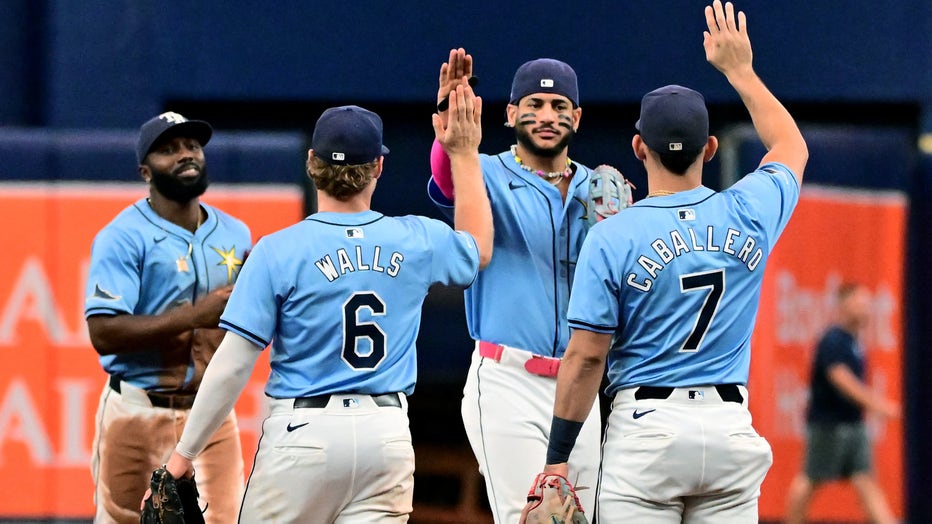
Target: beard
column 523, row 135
column 177, row 189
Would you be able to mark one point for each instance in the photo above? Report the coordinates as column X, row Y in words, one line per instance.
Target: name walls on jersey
column 726, row 240
column 369, row 261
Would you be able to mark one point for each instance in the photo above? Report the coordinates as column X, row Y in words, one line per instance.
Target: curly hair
column 340, row 182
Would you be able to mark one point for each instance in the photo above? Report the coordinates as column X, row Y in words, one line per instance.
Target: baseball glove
column 173, row 501
column 552, row 500
column 609, row 193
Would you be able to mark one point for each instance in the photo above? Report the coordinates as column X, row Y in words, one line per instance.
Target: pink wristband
column 440, row 170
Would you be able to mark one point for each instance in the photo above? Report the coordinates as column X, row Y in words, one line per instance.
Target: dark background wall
column 247, row 65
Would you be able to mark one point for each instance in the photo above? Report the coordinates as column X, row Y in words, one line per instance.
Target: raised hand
column 727, row 46
column 453, row 72
column 461, row 131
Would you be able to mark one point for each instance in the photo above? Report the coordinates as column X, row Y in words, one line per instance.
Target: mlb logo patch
column 686, row 214
column 676, row 146
column 350, row 403
column 354, row 232
column 696, row 395
column 338, row 156
column 546, row 82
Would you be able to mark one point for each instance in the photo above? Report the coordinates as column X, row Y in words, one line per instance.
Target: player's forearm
column 440, row 170
column 224, row 380
column 472, row 212
column 851, row 387
column 126, row 333
column 774, row 124
column 578, row 385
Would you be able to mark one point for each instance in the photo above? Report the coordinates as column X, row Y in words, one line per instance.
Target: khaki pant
column 133, row 438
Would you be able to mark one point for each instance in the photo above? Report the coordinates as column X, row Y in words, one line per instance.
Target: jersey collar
column 693, row 196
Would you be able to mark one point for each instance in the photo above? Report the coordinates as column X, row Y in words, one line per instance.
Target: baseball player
column 339, row 298
column 516, row 310
column 159, row 278
column 667, row 291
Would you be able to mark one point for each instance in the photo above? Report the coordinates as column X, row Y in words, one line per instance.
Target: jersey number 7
column 714, row 282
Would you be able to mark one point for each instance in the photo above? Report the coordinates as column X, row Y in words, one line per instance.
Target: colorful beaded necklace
column 550, row 177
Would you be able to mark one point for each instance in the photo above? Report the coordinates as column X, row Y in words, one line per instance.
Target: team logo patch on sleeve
column 354, row 232
column 686, row 214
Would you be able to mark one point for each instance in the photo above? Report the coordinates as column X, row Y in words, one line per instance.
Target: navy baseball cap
column 545, row 75
column 674, row 118
column 348, row 135
column 170, row 122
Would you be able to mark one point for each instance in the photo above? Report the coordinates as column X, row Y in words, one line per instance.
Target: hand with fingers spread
column 457, row 70
column 727, row 46
column 461, row 133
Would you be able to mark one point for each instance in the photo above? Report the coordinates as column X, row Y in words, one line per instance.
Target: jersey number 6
column 714, row 281
column 356, row 332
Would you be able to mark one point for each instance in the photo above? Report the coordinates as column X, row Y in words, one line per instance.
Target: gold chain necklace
column 554, row 178
column 660, row 192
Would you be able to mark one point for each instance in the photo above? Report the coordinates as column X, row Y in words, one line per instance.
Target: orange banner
column 51, row 380
column 834, row 236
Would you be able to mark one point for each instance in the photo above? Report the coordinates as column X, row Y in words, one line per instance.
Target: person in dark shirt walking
column 838, row 446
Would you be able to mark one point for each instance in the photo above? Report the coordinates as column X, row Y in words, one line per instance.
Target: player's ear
column 639, row 147
column 378, row 168
column 577, row 116
column 511, row 115
column 711, row 146
column 144, row 172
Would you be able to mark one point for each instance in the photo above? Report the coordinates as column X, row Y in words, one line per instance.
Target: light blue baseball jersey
column 520, row 299
column 339, row 296
column 677, row 280
column 142, row 264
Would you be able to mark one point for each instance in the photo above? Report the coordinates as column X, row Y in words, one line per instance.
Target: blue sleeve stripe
column 578, row 324
column 103, row 311
column 433, row 191
column 255, row 339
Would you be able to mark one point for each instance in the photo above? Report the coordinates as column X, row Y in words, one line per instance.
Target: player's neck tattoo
column 550, row 177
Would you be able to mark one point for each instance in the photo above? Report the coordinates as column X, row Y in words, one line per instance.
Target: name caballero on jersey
column 359, row 261
column 732, row 242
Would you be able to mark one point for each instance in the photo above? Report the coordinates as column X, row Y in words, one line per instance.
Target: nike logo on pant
column 291, row 428
column 638, row 415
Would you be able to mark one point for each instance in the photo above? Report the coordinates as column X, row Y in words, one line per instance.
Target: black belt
column 161, row 400
column 728, row 392
column 388, row 400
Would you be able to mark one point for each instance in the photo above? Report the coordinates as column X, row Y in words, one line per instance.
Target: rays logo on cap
column 546, row 82
column 173, row 117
